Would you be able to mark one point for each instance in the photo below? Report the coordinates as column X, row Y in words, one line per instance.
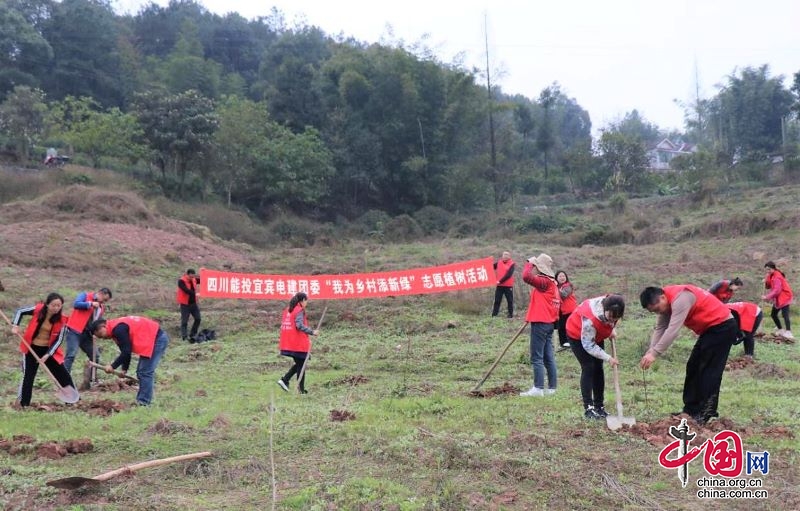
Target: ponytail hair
column 297, row 298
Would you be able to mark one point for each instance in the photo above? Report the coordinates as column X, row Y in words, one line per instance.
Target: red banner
column 435, row 279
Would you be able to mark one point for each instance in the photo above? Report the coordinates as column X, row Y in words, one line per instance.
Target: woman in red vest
column 716, row 329
column 780, row 295
column 140, row 336
column 44, row 334
column 542, row 315
column 294, row 342
column 725, row 288
column 749, row 316
column 504, row 273
column 568, row 304
column 591, row 323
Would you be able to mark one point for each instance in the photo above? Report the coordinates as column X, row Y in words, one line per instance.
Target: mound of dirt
column 354, row 380
column 775, row 339
column 166, row 427
column 657, row 433
column 739, row 363
column 342, row 415
column 21, row 444
column 505, row 389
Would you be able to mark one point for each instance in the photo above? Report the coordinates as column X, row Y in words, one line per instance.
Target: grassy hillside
column 389, row 422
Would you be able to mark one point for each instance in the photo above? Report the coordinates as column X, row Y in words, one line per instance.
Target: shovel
column 119, row 374
column 615, row 422
column 308, row 355
column 499, row 357
column 73, row 483
column 67, row 394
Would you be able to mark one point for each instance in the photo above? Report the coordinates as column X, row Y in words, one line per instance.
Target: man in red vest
column 142, row 336
column 504, row 273
column 186, row 296
column 712, row 321
column 86, row 308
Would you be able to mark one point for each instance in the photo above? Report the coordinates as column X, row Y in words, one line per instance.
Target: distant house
column 663, row 152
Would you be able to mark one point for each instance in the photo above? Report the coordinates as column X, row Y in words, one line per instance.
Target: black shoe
column 601, row 411
column 303, row 391
column 591, row 413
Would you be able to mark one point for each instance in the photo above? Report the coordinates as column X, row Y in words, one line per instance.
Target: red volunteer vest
column 707, row 311
column 143, row 333
column 785, row 297
column 569, row 303
column 724, row 293
column 293, row 339
column 575, row 323
column 543, row 307
column 79, row 317
column 747, row 314
column 54, row 332
column 181, row 296
column 500, row 272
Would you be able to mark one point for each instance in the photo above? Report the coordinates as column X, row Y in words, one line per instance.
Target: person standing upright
column 542, row 315
column 186, row 296
column 504, row 273
column 294, row 342
column 568, row 304
column 87, row 307
column 779, row 294
column 716, row 329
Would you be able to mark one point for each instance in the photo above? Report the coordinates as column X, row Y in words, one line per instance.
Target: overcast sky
column 612, row 56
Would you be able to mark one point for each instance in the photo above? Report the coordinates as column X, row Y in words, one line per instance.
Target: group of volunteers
column 50, row 326
column 584, row 327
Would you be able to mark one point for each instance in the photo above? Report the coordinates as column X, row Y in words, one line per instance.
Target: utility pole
column 493, row 149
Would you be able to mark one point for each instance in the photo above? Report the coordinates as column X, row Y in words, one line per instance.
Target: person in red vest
column 712, row 321
column 294, row 341
column 135, row 335
column 588, row 327
column 749, row 317
column 779, row 294
column 186, row 296
column 504, row 273
column 86, row 308
column 542, row 315
column 44, row 334
column 568, row 304
column 725, row 288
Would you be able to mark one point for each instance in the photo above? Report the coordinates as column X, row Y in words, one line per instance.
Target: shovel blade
column 68, row 395
column 72, row 483
column 615, row 422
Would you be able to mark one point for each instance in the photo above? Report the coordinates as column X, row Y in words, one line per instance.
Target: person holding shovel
column 716, row 329
column 749, row 317
column 44, row 334
column 591, row 323
column 86, row 308
column 294, row 342
column 779, row 294
column 186, row 296
column 135, row 335
column 542, row 315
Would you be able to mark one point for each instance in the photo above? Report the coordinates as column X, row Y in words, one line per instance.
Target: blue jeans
column 74, row 341
column 146, row 369
column 542, row 355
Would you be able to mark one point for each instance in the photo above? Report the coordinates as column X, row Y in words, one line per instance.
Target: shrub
column 372, row 223
column 433, row 219
column 618, row 202
column 402, row 228
column 542, row 224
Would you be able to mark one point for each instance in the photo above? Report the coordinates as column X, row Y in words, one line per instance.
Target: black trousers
column 295, row 370
column 29, row 369
column 561, row 326
column 593, row 378
column 186, row 311
column 499, row 293
column 749, row 341
column 704, row 370
column 785, row 312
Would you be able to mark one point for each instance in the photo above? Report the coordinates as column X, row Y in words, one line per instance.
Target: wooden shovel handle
column 120, row 374
column 33, row 353
column 616, row 380
column 129, row 469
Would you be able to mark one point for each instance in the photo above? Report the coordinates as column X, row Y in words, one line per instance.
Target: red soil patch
column 505, row 389
column 739, row 363
column 775, row 339
column 21, row 444
column 342, row 415
column 351, row 380
column 114, row 386
column 657, row 433
column 166, row 427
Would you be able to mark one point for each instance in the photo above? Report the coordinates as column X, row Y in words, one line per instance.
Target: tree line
column 268, row 116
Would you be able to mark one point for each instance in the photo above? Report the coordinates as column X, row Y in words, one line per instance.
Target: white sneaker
column 778, row 333
column 283, row 385
column 565, row 345
column 533, row 392
column 787, row 334
column 548, row 392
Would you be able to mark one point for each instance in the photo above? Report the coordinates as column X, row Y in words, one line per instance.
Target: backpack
column 204, row 335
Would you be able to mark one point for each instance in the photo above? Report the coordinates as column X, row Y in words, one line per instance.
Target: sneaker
column 565, row 345
column 591, row 413
column 534, row 391
column 282, row 384
column 787, row 334
column 548, row 392
column 303, row 391
column 601, row 411
column 778, row 332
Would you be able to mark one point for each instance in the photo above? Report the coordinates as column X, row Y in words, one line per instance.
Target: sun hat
column 544, row 263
